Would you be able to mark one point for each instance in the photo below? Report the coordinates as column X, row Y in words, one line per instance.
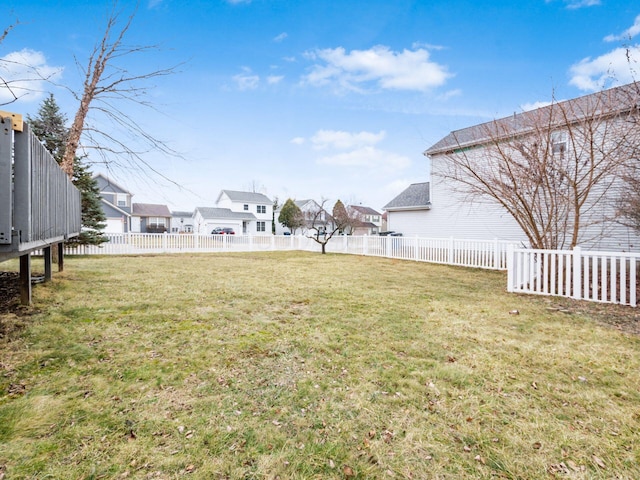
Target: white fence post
column 510, row 267
column 577, row 272
column 450, row 256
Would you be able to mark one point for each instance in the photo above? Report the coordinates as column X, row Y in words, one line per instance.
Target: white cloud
column 450, row 94
column 535, row 105
column 274, row 79
column 247, row 80
column 298, row 140
column 345, row 140
column 628, row 34
column 281, row 37
column 25, row 72
column 369, row 157
column 358, row 70
column 615, row 67
column 574, row 4
column 356, row 149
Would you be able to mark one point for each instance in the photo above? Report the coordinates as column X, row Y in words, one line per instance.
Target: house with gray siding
column 116, row 204
column 150, row 218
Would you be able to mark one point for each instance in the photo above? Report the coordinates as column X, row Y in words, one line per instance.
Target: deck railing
column 39, row 206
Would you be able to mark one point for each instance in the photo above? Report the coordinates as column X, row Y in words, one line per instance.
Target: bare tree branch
column 551, row 168
column 107, row 87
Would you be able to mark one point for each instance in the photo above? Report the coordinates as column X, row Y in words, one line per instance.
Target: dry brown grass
column 297, row 365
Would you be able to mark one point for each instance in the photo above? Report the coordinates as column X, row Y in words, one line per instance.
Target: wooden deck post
column 46, row 253
column 25, row 279
column 61, row 256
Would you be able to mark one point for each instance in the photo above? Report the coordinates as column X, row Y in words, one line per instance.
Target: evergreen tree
column 291, row 216
column 93, row 217
column 49, row 127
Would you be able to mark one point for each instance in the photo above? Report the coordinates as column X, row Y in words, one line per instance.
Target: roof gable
column 105, row 184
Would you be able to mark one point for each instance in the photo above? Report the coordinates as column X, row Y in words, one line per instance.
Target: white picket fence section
column 608, row 277
column 490, row 254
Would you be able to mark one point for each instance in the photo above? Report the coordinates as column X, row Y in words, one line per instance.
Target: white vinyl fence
column 609, row 277
column 596, row 276
column 490, row 254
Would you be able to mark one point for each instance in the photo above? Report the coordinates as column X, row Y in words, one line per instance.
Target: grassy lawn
column 296, row 365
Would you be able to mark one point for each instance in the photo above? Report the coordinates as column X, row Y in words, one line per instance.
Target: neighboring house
column 116, row 205
column 408, row 213
column 452, row 214
column 368, row 220
column 150, row 218
column 254, row 211
column 181, row 222
column 205, row 219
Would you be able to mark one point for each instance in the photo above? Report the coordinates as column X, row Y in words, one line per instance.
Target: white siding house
column 454, row 213
column 259, row 206
column 205, row 219
column 408, row 213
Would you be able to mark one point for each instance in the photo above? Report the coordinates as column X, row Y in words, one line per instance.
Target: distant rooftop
column 150, row 210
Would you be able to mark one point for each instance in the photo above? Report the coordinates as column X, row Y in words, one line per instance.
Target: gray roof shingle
column 364, row 210
column 150, row 210
column 211, row 212
column 606, row 102
column 249, row 197
column 415, row 196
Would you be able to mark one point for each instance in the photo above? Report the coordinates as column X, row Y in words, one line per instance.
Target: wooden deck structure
column 39, row 206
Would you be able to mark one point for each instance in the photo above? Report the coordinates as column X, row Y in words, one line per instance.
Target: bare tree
column 551, row 169
column 322, row 226
column 106, row 84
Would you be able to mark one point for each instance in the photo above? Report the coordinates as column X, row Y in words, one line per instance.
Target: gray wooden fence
column 39, row 206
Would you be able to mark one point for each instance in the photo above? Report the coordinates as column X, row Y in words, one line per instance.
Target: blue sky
column 322, row 99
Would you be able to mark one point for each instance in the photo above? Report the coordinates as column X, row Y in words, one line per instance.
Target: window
column 156, row 225
column 121, row 199
column 246, row 207
column 159, row 221
column 559, row 143
column 261, row 227
column 262, row 209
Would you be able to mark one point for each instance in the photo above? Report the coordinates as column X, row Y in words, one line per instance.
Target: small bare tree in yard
column 551, row 168
column 106, row 84
column 322, row 226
